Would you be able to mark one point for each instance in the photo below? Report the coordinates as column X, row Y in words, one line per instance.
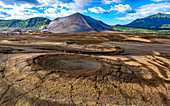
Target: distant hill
column 77, row 23
column 32, row 23
column 156, row 21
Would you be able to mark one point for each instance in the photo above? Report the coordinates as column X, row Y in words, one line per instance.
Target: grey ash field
column 84, row 69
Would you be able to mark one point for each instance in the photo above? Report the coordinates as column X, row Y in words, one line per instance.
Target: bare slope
column 77, row 23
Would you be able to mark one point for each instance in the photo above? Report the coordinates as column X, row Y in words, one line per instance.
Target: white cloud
column 147, row 10
column 47, row 2
column 50, row 2
column 80, row 3
column 98, row 10
column 83, row 3
column 50, row 9
column 17, row 11
column 121, row 8
column 116, row 1
column 111, row 1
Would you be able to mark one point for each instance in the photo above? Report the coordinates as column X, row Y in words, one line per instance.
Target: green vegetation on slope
column 32, row 23
column 157, row 21
column 142, row 30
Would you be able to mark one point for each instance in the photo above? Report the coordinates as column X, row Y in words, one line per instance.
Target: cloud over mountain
column 147, row 10
column 98, row 10
column 122, row 8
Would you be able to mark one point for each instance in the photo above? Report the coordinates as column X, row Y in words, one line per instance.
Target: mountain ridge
column 155, row 21
column 35, row 23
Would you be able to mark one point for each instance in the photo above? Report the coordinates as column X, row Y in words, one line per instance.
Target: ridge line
column 87, row 23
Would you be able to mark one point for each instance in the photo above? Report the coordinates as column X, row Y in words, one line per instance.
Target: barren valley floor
column 84, row 68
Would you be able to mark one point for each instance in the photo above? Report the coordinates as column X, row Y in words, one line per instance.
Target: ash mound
column 70, row 64
column 77, row 23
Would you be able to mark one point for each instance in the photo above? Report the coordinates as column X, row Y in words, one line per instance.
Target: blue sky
column 111, row 12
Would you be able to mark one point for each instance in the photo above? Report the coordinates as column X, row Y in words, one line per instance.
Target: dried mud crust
column 69, row 47
column 96, row 49
column 6, row 50
column 114, row 83
column 74, row 64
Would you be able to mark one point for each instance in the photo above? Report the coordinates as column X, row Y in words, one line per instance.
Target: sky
column 111, row 12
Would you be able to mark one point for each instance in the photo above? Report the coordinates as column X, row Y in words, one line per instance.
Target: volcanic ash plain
column 84, row 69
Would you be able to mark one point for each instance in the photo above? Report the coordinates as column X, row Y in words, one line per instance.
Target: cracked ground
column 84, row 69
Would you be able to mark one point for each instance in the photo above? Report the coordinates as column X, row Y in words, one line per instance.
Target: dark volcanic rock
column 77, row 23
